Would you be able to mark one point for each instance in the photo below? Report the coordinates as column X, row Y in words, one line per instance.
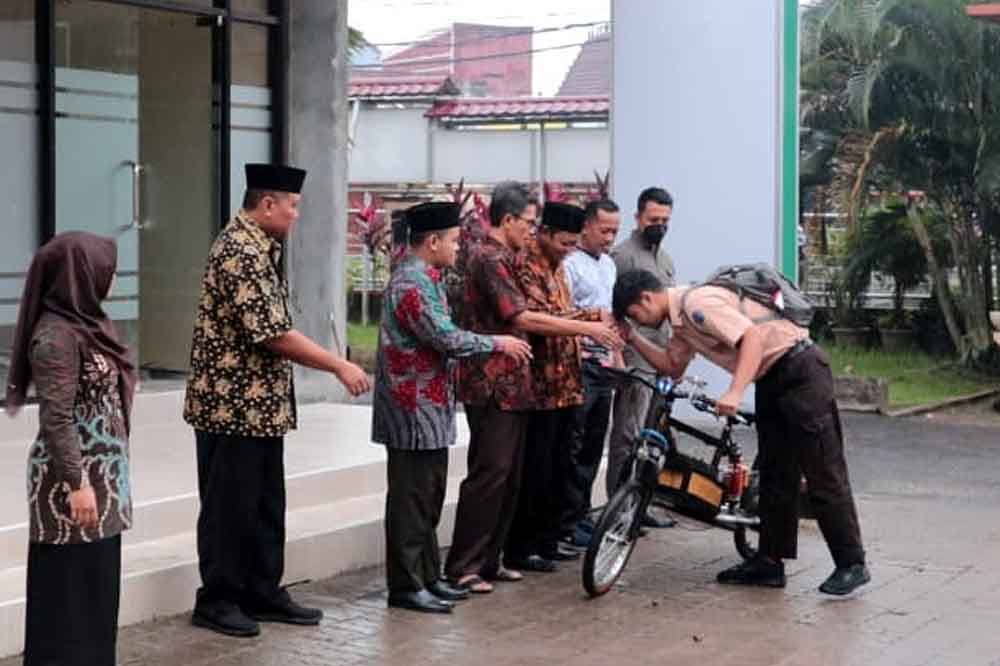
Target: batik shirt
column 82, row 439
column 238, row 386
column 414, row 399
column 492, row 299
column 555, row 368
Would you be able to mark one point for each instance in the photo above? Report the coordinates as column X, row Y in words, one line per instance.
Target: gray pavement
column 929, row 498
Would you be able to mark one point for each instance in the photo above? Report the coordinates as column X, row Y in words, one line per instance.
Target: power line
column 495, row 35
column 451, row 61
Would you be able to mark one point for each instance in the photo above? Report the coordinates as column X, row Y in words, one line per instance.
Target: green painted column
column 788, row 236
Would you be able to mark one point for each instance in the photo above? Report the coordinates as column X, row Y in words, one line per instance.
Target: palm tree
column 918, row 84
column 356, row 41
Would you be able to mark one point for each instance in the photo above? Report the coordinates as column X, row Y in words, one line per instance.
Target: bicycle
column 722, row 492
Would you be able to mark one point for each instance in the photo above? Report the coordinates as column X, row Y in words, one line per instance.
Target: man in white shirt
column 591, row 273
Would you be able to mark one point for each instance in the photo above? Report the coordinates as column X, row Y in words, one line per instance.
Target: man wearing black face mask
column 643, row 249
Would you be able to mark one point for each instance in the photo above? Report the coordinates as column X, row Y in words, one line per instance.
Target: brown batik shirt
column 238, row 386
column 492, row 299
column 556, row 368
column 82, row 438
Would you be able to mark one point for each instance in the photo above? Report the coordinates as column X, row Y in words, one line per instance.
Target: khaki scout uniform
column 798, row 425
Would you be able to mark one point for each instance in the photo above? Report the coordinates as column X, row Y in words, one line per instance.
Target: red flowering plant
column 376, row 232
column 475, row 223
column 555, row 192
column 601, row 189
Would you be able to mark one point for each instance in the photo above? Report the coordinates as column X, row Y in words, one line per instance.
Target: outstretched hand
column 606, row 335
column 516, row 348
column 354, row 378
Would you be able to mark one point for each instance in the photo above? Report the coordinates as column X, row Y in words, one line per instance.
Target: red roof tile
column 396, row 87
column 986, row 12
column 590, row 73
column 594, row 107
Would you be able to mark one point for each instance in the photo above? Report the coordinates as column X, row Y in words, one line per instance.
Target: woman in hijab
column 79, row 496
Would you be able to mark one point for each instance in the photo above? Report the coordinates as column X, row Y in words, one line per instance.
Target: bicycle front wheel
column 614, row 537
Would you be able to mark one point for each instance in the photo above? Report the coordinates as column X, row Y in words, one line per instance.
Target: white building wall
column 482, row 156
column 390, row 146
column 702, row 120
column 701, row 115
column 574, row 154
column 398, row 145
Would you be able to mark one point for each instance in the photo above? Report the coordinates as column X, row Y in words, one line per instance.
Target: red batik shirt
column 556, row 367
column 492, row 299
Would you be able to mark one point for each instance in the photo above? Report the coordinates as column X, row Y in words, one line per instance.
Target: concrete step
column 160, row 576
column 335, row 480
column 328, row 458
column 167, row 516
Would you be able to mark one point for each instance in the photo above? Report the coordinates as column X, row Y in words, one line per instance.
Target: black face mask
column 654, row 233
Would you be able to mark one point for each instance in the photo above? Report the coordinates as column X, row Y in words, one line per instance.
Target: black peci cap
column 432, row 216
column 274, row 178
column 563, row 217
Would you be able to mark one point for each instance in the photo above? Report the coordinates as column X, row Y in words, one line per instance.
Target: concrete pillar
column 317, row 141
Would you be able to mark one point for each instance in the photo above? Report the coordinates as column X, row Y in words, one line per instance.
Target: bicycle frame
column 657, row 438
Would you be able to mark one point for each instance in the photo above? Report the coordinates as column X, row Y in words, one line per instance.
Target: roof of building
column 391, row 87
column 590, row 73
column 987, row 11
column 519, row 109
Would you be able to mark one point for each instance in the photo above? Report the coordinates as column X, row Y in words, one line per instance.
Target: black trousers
column 241, row 525
column 535, row 529
column 417, row 481
column 799, row 432
column 589, row 429
column 72, row 604
column 487, row 498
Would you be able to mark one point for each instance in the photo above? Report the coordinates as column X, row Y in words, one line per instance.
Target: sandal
column 472, row 583
column 505, row 575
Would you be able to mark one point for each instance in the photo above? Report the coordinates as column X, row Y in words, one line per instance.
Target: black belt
column 802, row 345
column 797, row 348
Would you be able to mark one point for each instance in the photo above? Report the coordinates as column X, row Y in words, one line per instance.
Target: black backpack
column 763, row 284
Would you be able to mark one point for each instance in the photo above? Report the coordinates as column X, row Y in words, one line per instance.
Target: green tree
column 923, row 79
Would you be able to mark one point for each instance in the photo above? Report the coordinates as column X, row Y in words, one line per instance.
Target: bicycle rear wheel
column 614, row 537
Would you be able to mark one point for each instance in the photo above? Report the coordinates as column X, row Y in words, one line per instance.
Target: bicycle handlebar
column 669, row 388
column 705, row 404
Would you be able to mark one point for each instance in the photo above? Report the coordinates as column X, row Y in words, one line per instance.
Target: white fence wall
column 399, row 145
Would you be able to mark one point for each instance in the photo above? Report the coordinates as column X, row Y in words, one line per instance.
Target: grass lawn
column 914, row 377
column 362, row 337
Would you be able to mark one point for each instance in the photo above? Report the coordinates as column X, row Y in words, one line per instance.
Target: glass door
column 137, row 159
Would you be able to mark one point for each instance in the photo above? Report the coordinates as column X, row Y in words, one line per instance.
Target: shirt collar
column 266, row 243
column 412, row 262
column 674, row 305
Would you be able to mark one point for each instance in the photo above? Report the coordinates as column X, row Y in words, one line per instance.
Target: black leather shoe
column 845, row 580
column 421, row 601
column 534, row 563
column 442, row 590
column 654, row 521
column 758, row 571
column 560, row 553
column 282, row 609
column 225, row 618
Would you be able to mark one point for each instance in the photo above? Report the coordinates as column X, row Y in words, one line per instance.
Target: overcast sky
column 390, row 21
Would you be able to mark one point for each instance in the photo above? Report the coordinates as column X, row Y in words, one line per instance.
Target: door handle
column 137, row 170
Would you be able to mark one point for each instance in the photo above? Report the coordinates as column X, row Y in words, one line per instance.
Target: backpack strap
column 736, row 289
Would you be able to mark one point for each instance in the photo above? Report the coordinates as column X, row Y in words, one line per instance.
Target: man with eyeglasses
column 498, row 391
